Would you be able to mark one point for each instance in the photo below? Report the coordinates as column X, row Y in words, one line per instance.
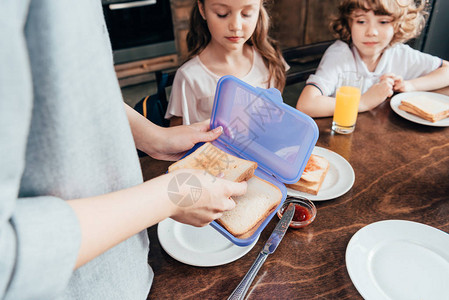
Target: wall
column 181, row 14
column 302, row 22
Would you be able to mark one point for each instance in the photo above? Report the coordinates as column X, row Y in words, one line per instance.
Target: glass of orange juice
column 349, row 90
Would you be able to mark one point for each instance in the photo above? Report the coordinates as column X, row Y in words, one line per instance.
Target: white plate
column 339, row 179
column 198, row 246
column 398, row 259
column 396, row 100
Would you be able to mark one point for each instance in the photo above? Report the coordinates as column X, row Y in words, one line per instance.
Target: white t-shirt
column 193, row 90
column 399, row 59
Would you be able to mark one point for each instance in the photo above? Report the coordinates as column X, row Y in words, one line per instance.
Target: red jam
column 301, row 214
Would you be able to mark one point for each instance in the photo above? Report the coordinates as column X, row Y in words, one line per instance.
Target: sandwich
column 260, row 200
column 425, row 107
column 313, row 176
column 218, row 163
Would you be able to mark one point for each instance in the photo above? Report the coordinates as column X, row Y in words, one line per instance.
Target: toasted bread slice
column 306, row 187
column 260, row 200
column 313, row 172
column 217, row 162
column 425, row 107
column 313, row 176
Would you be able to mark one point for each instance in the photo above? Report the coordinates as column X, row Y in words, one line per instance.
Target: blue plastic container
column 258, row 126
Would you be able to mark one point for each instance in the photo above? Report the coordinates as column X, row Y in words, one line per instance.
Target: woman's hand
column 200, row 197
column 168, row 143
column 173, row 142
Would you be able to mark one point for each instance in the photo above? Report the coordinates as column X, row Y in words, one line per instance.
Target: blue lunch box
column 258, row 126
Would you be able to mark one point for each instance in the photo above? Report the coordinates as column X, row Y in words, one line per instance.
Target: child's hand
column 400, row 85
column 385, row 87
column 377, row 93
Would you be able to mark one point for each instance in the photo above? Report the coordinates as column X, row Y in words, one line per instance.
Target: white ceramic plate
column 198, row 246
column 396, row 259
column 339, row 179
column 396, row 100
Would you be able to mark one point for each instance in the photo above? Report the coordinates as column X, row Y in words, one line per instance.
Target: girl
column 372, row 33
column 226, row 37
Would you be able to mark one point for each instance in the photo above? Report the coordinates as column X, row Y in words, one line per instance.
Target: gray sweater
column 63, row 135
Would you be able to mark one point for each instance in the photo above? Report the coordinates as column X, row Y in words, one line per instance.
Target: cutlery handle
column 242, row 288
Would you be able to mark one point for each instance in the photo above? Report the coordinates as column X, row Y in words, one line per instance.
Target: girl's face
column 371, row 33
column 231, row 22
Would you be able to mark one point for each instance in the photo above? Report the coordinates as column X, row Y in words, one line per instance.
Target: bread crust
column 218, row 163
column 245, row 176
column 423, row 115
column 274, row 199
column 253, row 229
column 425, row 107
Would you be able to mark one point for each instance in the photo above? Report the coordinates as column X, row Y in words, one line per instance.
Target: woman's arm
column 109, row 219
column 168, row 143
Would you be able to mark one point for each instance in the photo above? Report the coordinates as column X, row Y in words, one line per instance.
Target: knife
column 269, row 247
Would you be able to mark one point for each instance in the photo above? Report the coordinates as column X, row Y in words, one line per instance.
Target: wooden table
column 401, row 172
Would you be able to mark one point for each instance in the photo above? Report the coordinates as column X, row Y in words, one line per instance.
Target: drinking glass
column 347, row 101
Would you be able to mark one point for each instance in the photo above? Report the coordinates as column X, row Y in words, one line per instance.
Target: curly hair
column 199, row 37
column 408, row 17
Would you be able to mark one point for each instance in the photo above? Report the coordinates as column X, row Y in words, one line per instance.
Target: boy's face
column 371, row 33
column 231, row 22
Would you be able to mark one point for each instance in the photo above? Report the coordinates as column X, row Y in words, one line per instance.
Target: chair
column 303, row 61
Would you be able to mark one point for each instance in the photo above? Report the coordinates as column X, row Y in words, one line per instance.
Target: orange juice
column 346, row 106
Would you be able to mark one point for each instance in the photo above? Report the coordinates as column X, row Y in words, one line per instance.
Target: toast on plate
column 425, row 107
column 217, row 162
column 260, row 200
column 313, row 176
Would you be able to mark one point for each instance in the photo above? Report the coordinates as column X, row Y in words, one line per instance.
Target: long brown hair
column 199, row 37
column 408, row 18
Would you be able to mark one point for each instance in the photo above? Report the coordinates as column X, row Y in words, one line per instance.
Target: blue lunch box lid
column 258, row 126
